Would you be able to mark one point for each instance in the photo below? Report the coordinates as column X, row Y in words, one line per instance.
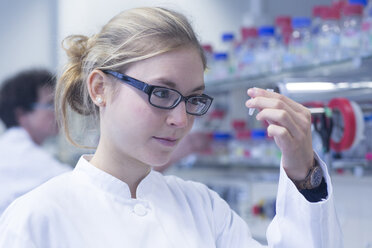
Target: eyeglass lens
column 167, row 98
column 164, row 97
column 197, row 104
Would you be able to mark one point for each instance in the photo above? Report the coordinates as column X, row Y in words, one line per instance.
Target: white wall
column 28, row 35
column 293, row 7
column 209, row 17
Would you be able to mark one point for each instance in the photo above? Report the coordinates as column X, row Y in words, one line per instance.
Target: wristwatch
column 313, row 178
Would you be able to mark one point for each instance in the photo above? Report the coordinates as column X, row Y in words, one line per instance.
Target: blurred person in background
column 27, row 110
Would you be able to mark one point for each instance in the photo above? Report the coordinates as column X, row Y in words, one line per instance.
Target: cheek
column 132, row 115
column 49, row 118
column 42, row 118
column 142, row 114
column 141, row 110
column 190, row 122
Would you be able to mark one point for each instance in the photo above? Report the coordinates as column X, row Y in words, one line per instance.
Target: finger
column 302, row 119
column 298, row 126
column 280, row 117
column 261, row 102
column 257, row 92
column 281, row 136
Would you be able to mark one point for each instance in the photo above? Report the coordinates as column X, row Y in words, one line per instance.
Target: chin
column 160, row 159
column 159, row 162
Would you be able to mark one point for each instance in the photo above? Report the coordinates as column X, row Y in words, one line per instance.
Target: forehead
column 182, row 67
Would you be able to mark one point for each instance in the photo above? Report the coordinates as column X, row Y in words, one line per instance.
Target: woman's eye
column 197, row 101
column 161, row 93
column 194, row 101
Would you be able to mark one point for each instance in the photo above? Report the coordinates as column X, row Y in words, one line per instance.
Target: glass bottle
column 300, row 44
column 351, row 30
column 327, row 42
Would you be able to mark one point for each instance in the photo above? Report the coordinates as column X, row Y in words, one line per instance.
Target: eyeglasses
column 166, row 98
column 43, row 106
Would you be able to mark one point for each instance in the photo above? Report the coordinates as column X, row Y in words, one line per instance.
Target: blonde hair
column 130, row 36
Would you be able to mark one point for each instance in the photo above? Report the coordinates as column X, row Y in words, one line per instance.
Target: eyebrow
column 172, row 85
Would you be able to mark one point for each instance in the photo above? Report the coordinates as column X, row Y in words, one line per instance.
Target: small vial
column 251, row 110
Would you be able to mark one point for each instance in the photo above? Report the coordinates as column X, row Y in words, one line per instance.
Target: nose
column 178, row 116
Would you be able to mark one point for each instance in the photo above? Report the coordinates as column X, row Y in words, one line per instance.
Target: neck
column 121, row 166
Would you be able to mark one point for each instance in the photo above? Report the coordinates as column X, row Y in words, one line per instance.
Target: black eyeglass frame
column 148, row 89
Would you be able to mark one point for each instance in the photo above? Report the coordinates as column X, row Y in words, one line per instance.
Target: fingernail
column 251, row 91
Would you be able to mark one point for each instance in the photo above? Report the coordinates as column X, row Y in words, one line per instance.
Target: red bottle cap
column 248, row 33
column 238, row 124
column 207, row 48
column 318, row 10
column 330, row 13
column 352, row 9
column 339, row 5
column 217, row 114
column 243, row 135
column 283, row 21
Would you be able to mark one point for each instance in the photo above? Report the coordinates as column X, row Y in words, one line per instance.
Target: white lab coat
column 90, row 208
column 23, row 165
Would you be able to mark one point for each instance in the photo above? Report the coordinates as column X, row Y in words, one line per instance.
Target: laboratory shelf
column 347, row 69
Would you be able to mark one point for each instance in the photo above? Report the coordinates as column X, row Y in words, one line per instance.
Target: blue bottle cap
column 363, row 2
column 301, row 22
column 266, row 31
column 220, row 56
column 221, row 136
column 368, row 118
column 227, row 36
column 258, row 134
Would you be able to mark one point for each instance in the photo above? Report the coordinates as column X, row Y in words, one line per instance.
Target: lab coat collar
column 111, row 184
column 18, row 133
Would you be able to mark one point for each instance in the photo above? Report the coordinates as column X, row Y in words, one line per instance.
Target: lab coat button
column 140, row 210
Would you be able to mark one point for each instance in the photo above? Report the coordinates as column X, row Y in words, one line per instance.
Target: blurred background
column 317, row 52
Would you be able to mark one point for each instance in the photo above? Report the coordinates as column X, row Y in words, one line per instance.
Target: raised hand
column 289, row 125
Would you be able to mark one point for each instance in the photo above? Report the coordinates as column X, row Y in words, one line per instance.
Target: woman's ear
column 97, row 87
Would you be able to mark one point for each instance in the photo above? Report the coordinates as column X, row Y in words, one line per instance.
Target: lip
column 166, row 141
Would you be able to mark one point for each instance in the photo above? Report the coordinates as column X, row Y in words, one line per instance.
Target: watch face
column 316, row 177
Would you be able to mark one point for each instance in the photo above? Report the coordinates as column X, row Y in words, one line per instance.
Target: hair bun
column 75, row 47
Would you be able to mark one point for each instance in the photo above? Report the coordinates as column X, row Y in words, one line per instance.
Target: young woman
column 142, row 76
